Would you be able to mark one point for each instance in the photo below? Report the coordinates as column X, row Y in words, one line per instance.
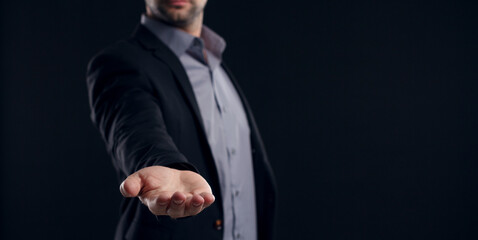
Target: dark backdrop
column 367, row 108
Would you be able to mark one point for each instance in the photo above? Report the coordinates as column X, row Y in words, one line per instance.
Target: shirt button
column 236, row 193
column 238, row 235
column 218, row 224
column 233, row 151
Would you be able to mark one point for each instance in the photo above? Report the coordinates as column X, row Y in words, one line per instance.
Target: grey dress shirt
column 225, row 121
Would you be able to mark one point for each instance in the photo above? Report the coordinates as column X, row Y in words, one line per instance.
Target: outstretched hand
column 167, row 191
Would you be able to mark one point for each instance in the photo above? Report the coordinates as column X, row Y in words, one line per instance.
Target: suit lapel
column 250, row 117
column 256, row 140
column 163, row 53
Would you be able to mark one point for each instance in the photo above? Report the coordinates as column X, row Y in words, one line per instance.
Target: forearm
column 129, row 118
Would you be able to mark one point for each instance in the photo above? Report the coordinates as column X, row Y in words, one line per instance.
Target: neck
column 194, row 28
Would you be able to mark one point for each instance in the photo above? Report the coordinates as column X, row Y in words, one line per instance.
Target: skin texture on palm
column 167, row 191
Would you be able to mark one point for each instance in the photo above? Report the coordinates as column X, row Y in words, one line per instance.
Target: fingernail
column 196, row 204
column 178, row 202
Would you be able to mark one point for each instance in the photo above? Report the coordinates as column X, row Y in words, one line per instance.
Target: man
column 180, row 132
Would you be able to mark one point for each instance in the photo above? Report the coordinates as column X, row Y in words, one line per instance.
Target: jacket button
column 218, row 224
column 253, row 150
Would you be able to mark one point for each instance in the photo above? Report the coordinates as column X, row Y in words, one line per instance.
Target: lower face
column 176, row 12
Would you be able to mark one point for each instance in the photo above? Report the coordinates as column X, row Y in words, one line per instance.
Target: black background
column 367, row 109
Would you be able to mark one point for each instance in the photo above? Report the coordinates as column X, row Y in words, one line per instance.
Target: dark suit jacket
column 144, row 106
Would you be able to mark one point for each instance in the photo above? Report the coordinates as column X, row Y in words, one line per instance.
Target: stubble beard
column 177, row 18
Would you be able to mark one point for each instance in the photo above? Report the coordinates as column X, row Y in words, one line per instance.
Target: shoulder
column 128, row 57
column 122, row 54
column 122, row 61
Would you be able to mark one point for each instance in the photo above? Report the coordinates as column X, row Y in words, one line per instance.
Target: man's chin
column 175, row 16
column 176, row 21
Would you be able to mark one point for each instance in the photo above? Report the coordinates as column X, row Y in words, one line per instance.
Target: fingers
column 131, row 186
column 208, row 199
column 194, row 205
column 159, row 204
column 177, row 205
column 182, row 206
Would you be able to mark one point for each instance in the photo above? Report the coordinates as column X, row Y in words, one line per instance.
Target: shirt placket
column 230, row 134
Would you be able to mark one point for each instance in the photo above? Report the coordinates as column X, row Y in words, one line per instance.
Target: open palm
column 168, row 191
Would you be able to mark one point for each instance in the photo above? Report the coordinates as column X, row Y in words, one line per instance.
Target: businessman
column 182, row 137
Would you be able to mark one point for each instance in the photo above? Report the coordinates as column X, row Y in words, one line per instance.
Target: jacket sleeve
column 128, row 116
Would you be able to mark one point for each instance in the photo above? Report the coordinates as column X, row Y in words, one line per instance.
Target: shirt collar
column 179, row 41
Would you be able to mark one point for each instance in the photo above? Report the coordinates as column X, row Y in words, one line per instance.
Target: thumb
column 131, row 186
